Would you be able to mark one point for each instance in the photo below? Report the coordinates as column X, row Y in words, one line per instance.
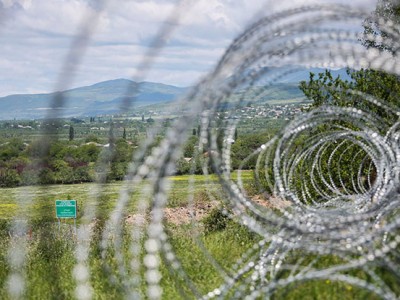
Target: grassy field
column 31, row 202
column 50, row 258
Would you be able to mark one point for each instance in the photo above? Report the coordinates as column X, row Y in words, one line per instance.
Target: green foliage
column 35, row 148
column 11, row 149
column 182, row 166
column 326, row 90
column 9, row 178
column 386, row 11
column 374, row 84
column 123, row 151
column 30, row 176
column 50, row 262
column 190, row 146
column 50, row 255
column 63, row 162
column 111, row 135
column 197, row 265
column 118, row 171
column 71, row 133
column 245, row 145
column 384, row 87
column 217, row 220
column 92, row 138
column 88, row 152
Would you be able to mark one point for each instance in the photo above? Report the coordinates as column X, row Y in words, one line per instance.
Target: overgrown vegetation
column 50, row 249
column 51, row 258
column 77, row 159
column 374, row 92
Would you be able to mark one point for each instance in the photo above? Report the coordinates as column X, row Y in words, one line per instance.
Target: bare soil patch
column 178, row 215
column 271, row 202
column 186, row 214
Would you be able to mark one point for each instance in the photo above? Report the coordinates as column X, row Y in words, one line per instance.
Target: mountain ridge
column 106, row 97
column 80, row 100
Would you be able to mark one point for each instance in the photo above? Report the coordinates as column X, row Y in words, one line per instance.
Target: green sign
column 66, row 209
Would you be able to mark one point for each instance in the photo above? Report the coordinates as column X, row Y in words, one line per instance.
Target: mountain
column 106, row 97
column 295, row 74
column 100, row 98
column 278, row 85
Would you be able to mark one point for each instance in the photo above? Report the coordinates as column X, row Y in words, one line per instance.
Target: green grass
column 50, row 255
column 33, row 202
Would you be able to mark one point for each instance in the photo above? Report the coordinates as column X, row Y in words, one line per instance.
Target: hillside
column 100, row 98
column 106, row 97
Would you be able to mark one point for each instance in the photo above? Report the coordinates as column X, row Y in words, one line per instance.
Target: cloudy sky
column 36, row 38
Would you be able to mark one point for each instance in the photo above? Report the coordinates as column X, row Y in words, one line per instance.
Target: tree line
column 65, row 162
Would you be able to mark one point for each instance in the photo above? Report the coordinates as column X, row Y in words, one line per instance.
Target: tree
column 190, row 146
column 9, row 178
column 11, row 149
column 124, row 134
column 245, row 146
column 71, row 133
column 92, row 138
column 182, row 166
column 111, row 137
column 123, row 152
column 326, row 90
column 323, row 89
column 386, row 11
column 88, row 153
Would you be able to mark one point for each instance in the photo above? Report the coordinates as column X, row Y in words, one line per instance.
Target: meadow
column 50, row 257
column 50, row 247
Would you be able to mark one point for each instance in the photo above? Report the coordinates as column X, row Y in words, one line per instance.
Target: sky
column 36, row 38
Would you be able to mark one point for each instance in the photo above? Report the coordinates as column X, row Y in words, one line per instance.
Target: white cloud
column 37, row 34
column 23, row 3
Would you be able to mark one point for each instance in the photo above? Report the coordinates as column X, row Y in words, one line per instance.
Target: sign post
column 66, row 209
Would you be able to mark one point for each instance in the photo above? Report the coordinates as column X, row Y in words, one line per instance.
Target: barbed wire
column 301, row 166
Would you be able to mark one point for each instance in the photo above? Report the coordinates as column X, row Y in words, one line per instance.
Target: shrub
column 217, row 220
column 9, row 178
column 182, row 167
